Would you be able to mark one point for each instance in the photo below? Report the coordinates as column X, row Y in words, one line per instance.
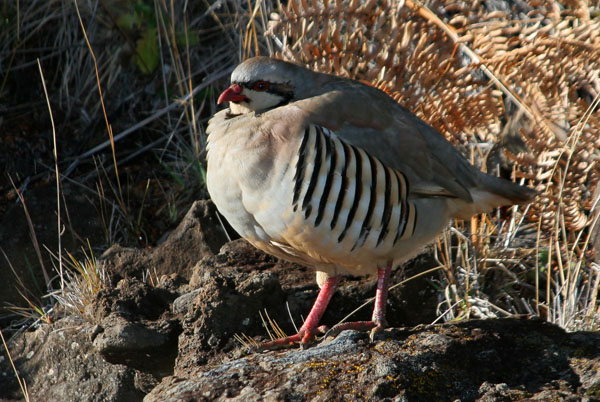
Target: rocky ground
column 166, row 331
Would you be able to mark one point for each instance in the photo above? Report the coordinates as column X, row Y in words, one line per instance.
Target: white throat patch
column 258, row 101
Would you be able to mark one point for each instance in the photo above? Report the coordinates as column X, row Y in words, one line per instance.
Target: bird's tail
column 492, row 192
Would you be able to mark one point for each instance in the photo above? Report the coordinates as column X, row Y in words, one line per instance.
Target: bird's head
column 261, row 83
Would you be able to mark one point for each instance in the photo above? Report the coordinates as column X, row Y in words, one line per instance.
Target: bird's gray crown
column 265, row 69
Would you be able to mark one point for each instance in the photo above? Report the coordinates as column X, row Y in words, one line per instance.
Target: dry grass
column 108, row 103
column 82, row 279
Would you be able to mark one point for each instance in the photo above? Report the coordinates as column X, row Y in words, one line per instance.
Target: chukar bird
column 336, row 175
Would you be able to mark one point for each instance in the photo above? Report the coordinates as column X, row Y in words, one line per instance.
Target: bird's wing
column 366, row 117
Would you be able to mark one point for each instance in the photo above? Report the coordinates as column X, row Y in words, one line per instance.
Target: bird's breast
column 246, row 173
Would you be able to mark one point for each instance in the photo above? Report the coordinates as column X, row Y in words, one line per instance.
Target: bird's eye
column 261, row 86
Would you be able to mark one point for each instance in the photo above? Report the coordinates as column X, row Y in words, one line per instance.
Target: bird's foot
column 309, row 330
column 374, row 327
column 304, row 338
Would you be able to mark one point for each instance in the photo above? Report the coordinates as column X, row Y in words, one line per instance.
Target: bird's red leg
column 381, row 295
column 378, row 321
column 310, row 327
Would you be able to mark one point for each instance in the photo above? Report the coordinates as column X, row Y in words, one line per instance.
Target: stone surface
column 491, row 360
column 59, row 363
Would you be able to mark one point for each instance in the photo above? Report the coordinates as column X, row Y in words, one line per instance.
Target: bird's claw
column 373, row 327
column 374, row 331
column 304, row 338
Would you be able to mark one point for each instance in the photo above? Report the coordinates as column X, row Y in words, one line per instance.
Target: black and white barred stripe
column 323, row 157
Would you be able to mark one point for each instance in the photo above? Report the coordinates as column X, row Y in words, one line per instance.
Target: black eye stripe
column 252, row 84
column 285, row 90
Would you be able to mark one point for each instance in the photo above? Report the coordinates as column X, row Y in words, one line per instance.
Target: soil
column 168, row 330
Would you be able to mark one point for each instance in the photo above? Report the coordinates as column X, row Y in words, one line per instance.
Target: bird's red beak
column 232, row 94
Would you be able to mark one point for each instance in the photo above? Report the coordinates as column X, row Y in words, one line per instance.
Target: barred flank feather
column 353, row 181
